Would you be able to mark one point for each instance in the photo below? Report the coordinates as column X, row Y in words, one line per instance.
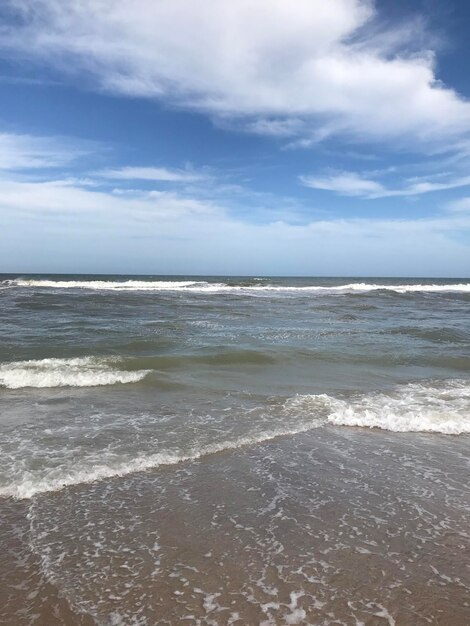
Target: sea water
column 216, row 450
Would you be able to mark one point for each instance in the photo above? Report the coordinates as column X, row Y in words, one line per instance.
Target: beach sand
column 335, row 526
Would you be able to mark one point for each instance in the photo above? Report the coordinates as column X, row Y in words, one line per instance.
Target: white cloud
column 19, row 151
column 352, row 184
column 161, row 174
column 267, row 62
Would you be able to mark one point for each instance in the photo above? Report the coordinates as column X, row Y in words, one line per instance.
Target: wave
column 409, row 288
column 100, row 285
column 436, row 334
column 206, row 287
column 59, row 478
column 433, row 407
column 78, row 372
column 430, row 406
column 217, row 357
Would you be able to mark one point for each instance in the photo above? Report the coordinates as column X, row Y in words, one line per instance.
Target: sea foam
column 77, row 372
column 29, row 484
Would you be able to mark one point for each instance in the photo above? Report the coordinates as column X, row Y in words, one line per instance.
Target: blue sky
column 251, row 137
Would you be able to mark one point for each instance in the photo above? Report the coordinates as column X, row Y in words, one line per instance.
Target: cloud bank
column 154, row 231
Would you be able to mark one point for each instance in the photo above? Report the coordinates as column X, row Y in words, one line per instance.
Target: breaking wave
column 78, row 372
column 208, row 287
column 433, row 407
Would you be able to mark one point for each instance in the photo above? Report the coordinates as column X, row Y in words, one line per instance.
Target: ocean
column 243, row 450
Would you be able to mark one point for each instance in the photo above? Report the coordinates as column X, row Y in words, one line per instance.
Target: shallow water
column 218, row 451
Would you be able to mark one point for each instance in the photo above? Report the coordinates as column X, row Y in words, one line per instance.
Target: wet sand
column 333, row 526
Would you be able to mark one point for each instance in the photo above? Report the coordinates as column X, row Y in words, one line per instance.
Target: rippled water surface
column 234, row 451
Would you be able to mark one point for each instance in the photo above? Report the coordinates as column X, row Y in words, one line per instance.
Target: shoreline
column 352, row 523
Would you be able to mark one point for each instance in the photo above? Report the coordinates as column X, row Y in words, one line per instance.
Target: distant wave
column 58, row 478
column 127, row 285
column 434, row 407
column 78, row 372
column 207, row 287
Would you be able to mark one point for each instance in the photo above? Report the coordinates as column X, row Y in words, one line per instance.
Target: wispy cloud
column 345, row 183
column 22, row 152
column 460, row 206
column 44, row 199
column 308, row 69
column 353, row 184
column 156, row 174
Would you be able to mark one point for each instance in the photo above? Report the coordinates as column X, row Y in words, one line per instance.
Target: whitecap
column 75, row 372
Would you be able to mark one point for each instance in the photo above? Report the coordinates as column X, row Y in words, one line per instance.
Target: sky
column 242, row 137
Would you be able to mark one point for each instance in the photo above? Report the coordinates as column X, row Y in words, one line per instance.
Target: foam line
column 30, row 486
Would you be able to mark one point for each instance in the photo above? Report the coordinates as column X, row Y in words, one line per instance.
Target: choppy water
column 227, row 408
